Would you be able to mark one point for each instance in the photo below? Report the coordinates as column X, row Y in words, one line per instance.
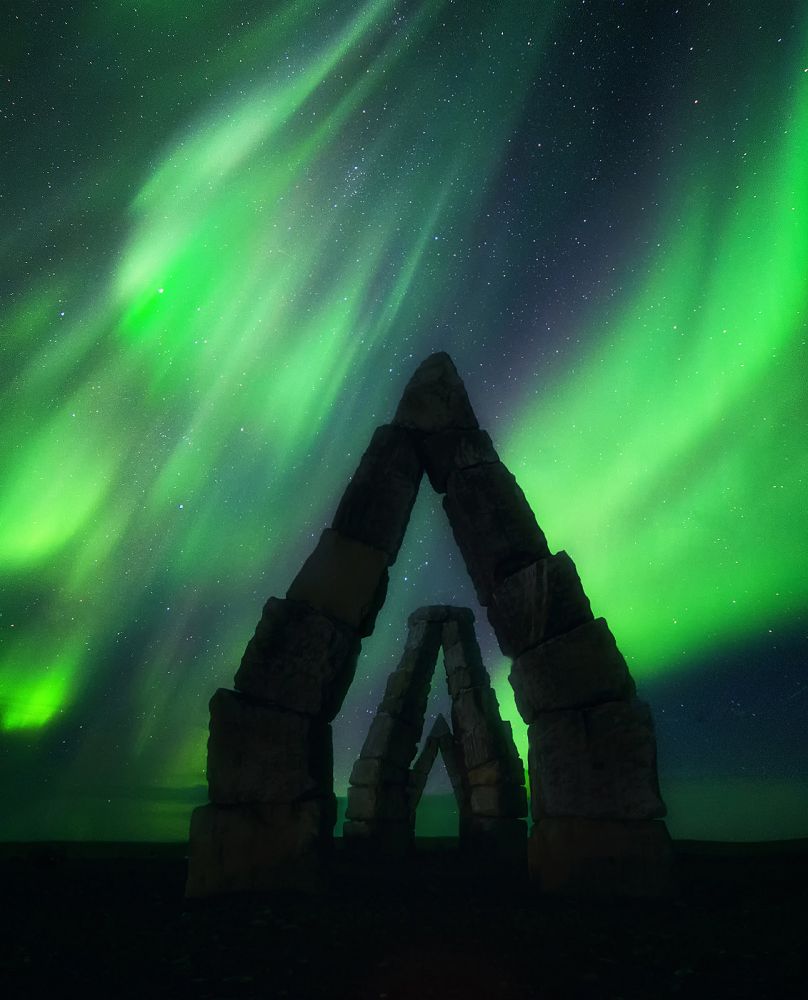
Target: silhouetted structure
column 592, row 753
column 480, row 755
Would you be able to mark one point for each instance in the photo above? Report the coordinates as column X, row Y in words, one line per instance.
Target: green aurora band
column 175, row 440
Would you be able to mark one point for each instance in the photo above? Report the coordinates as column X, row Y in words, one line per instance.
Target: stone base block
column 258, row 753
column 601, row 857
column 256, row 848
column 599, row 763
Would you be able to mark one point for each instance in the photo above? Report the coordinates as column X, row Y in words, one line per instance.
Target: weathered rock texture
column 270, row 761
column 479, row 752
column 592, row 757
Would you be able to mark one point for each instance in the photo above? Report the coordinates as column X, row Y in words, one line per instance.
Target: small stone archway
column 595, row 798
column 479, row 751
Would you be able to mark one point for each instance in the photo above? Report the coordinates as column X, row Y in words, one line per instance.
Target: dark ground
column 111, row 921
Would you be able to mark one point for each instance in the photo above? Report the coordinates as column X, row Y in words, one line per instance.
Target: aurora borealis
column 232, row 230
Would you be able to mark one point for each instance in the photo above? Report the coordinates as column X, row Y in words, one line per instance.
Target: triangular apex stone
column 435, row 398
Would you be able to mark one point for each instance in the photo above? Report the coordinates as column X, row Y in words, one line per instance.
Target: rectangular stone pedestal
column 260, row 847
column 587, row 857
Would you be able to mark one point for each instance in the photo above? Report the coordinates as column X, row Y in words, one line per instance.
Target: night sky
column 231, row 231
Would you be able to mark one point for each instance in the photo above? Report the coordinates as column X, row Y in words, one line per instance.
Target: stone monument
column 595, row 797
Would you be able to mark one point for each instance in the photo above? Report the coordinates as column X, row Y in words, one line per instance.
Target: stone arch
column 595, row 797
column 479, row 751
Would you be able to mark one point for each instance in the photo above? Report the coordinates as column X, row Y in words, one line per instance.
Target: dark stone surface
column 445, row 451
column 601, row 857
column 462, row 658
column 435, row 398
column 537, row 602
column 596, row 763
column 440, row 613
column 376, row 771
column 508, row 770
column 480, row 733
column 378, row 802
column 299, row 659
column 376, row 506
column 258, row 753
column 407, row 688
column 584, row 667
column 493, row 525
column 238, row 848
column 391, row 739
column 501, row 800
column 344, row 579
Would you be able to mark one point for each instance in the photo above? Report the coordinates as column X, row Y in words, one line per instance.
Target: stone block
column 478, row 728
column 391, row 739
column 536, row 603
column 435, row 398
column 493, row 525
column 495, row 772
column 253, row 848
column 376, row 771
column 344, row 579
column 503, row 800
column 440, row 613
column 299, row 659
column 596, row 763
column 378, row 802
column 377, row 503
column 259, row 753
column 445, row 451
column 588, row 857
column 462, row 658
column 580, row 668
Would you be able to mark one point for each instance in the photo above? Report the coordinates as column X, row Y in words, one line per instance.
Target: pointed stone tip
column 435, row 398
column 440, row 727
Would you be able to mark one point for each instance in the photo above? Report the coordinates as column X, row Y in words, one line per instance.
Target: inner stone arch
column 479, row 751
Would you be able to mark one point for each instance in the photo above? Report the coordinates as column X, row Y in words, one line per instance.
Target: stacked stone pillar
column 272, row 809
column 481, row 757
column 379, row 814
column 492, row 823
column 595, row 797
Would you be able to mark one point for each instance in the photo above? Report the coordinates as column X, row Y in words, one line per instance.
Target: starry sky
column 231, row 230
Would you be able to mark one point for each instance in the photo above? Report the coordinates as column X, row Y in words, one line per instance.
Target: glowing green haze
column 232, row 237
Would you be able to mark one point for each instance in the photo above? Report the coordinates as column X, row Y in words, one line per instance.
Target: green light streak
column 671, row 463
column 33, row 694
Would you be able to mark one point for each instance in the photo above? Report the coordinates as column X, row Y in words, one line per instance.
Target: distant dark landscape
column 111, row 920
